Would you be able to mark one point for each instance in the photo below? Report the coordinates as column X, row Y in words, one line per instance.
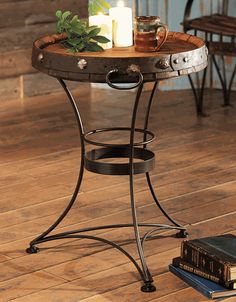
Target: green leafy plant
column 79, row 36
column 98, row 6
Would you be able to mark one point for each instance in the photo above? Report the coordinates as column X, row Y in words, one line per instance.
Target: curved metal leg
column 231, row 82
column 223, row 80
column 199, row 93
column 142, row 269
column 147, row 278
column 182, row 233
column 32, row 248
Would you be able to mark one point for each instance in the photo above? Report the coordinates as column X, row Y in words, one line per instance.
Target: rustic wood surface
column 180, row 55
column 42, row 11
column 195, row 177
column 216, row 24
column 219, row 30
column 171, row 46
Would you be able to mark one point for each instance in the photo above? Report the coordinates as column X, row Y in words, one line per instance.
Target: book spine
column 197, row 285
column 199, row 258
column 198, row 272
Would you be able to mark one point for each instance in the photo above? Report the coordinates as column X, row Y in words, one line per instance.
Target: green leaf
column 59, row 27
column 58, row 14
column 94, row 9
column 66, row 15
column 94, row 32
column 77, row 29
column 90, row 28
column 74, row 42
column 74, row 20
column 80, row 36
column 79, row 46
column 92, row 46
column 101, row 39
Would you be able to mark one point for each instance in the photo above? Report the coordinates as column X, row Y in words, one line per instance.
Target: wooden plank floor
column 195, row 177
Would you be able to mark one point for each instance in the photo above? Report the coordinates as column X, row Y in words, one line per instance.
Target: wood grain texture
column 20, row 23
column 10, row 88
column 28, row 8
column 195, row 178
column 15, row 63
column 38, row 84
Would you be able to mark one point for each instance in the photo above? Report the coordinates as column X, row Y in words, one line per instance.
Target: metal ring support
column 93, row 164
column 116, row 71
column 145, row 132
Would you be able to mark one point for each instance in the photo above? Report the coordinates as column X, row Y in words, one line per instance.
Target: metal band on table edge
column 157, row 67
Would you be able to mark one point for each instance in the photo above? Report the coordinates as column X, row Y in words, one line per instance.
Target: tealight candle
column 105, row 23
column 122, row 25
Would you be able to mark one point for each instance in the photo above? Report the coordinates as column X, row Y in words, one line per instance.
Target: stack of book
column 209, row 265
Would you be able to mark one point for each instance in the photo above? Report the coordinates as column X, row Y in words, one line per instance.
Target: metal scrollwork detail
column 163, row 63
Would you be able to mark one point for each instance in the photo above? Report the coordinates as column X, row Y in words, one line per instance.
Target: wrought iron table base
column 90, row 161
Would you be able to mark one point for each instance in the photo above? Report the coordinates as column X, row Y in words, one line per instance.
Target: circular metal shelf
column 94, row 164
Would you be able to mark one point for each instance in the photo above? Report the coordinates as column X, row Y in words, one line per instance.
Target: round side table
column 182, row 54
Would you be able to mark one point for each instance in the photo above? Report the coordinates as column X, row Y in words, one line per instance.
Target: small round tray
column 180, row 55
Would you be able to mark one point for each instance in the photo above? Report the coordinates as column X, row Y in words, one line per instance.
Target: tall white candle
column 122, row 25
column 105, row 23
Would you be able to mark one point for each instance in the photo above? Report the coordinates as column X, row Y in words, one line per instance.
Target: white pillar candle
column 105, row 23
column 122, row 25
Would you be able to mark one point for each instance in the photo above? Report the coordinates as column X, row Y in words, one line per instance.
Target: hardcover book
column 215, row 255
column 208, row 288
column 179, row 262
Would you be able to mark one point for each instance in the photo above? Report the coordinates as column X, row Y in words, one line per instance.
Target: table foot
column 148, row 287
column 182, row 234
column 32, row 249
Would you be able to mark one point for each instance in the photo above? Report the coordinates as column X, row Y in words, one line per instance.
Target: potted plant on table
column 79, row 36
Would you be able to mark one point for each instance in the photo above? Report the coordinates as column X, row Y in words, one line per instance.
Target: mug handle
column 162, row 40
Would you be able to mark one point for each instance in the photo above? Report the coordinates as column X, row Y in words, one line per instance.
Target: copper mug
column 150, row 34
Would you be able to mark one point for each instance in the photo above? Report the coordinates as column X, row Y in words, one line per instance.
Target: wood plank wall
column 21, row 22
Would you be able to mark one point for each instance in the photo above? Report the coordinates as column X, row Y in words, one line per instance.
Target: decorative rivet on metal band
column 163, row 63
column 186, row 59
column 176, row 61
column 133, row 68
column 40, row 57
column 82, row 64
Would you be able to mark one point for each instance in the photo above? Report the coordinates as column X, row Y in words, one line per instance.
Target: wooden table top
column 181, row 54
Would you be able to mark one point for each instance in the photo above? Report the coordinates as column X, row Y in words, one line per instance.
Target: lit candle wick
column 120, row 4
